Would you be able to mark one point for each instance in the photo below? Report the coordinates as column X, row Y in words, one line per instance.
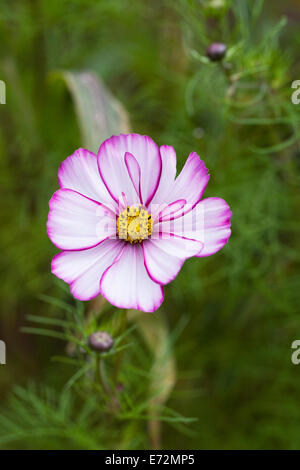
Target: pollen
column 134, row 224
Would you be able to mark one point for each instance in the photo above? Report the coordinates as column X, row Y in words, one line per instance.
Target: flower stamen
column 134, row 224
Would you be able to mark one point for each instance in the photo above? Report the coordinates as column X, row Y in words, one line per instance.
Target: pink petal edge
column 52, row 203
column 135, row 305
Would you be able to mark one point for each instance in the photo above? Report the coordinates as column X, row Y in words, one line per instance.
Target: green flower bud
column 100, row 341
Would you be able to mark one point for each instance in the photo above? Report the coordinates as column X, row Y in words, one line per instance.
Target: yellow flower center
column 134, row 224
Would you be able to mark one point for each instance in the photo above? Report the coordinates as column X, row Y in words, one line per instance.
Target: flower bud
column 100, row 341
column 216, row 51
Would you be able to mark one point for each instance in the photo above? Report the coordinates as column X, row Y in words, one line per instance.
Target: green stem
column 97, row 370
column 100, row 376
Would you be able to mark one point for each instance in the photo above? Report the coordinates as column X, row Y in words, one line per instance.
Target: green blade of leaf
column 99, row 114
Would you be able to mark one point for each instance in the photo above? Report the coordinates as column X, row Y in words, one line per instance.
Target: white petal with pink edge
column 168, row 174
column 114, row 173
column 190, row 184
column 217, row 215
column 168, row 211
column 76, row 222
column 80, row 172
column 83, row 269
column 134, row 172
column 208, row 222
column 165, row 256
column 126, row 283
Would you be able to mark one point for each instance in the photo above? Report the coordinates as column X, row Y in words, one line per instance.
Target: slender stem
column 97, row 370
column 100, row 374
column 230, row 79
column 100, row 370
column 103, row 377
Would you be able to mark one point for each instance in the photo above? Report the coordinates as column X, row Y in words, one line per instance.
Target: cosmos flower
column 125, row 223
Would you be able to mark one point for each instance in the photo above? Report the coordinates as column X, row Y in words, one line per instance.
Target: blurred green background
column 233, row 316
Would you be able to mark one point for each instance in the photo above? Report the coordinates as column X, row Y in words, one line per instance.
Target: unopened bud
column 100, row 341
column 216, row 51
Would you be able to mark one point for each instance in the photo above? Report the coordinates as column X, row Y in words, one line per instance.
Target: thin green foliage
column 235, row 385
